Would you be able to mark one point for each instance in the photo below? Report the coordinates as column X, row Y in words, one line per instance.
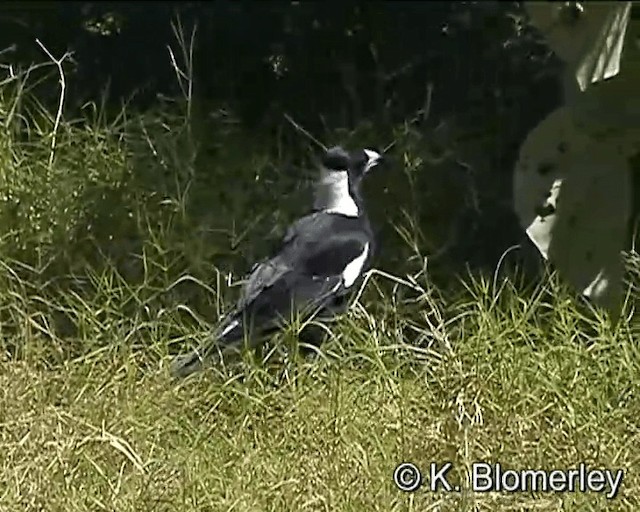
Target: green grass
column 117, row 250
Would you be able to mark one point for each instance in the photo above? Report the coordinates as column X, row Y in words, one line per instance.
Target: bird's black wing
column 304, row 277
column 313, row 255
column 262, row 276
column 329, row 256
column 316, row 220
column 309, row 245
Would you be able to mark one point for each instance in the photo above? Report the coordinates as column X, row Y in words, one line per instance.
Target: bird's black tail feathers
column 184, row 365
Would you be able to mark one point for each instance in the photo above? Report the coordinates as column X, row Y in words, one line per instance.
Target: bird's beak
column 373, row 158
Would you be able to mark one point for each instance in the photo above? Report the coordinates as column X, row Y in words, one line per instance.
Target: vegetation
column 123, row 233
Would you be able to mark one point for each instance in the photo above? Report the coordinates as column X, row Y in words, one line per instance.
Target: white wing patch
column 229, row 327
column 352, row 271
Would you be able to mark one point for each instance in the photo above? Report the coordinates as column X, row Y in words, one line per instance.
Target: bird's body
column 320, row 259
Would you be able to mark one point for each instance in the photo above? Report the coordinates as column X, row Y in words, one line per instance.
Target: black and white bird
column 320, row 259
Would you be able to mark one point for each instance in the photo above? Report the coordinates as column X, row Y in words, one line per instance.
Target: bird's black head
column 336, row 159
column 338, row 189
column 357, row 163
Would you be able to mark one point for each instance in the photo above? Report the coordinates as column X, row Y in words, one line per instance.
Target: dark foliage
column 484, row 73
column 347, row 62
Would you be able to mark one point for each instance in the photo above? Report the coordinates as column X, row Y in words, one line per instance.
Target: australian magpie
column 320, row 259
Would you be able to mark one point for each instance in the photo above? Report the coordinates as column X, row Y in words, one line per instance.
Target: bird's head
column 356, row 163
column 338, row 189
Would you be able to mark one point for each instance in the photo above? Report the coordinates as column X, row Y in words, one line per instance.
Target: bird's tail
column 184, row 365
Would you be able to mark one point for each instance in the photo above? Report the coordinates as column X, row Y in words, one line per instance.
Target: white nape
column 332, row 194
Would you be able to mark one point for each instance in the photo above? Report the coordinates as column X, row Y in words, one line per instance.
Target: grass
column 515, row 383
column 117, row 250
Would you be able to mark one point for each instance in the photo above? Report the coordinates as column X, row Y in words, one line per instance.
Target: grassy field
column 117, row 249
